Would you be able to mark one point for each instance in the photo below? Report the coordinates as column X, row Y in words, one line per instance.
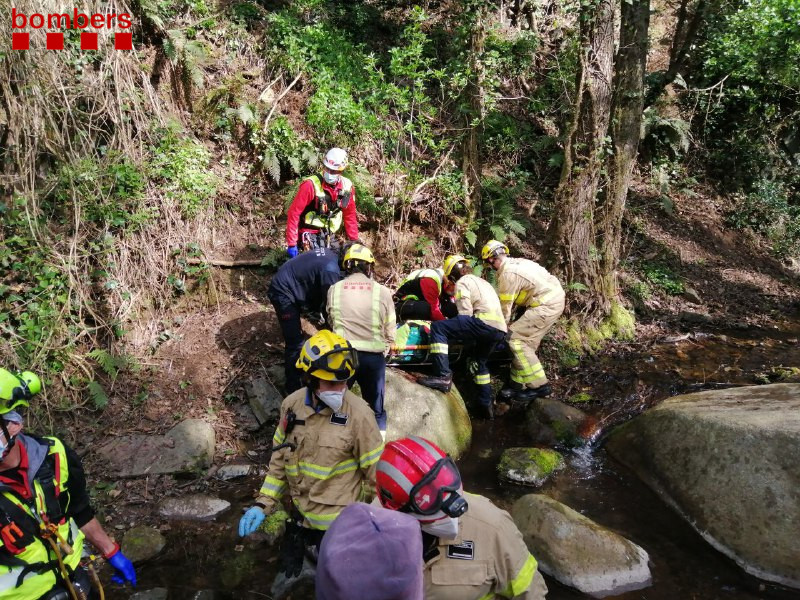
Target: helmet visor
column 340, row 362
column 438, row 490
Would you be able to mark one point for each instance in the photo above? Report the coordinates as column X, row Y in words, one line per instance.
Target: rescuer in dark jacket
column 301, row 285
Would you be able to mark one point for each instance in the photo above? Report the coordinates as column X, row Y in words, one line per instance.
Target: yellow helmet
column 358, row 252
column 17, row 390
column 451, row 261
column 493, row 248
column 328, row 356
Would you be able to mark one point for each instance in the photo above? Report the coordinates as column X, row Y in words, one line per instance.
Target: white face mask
column 332, row 399
column 331, row 178
column 446, row 528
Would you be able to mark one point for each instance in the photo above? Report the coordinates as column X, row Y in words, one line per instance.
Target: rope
column 64, row 573
column 96, row 579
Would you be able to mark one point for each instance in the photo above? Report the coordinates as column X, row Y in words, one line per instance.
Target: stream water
column 683, row 565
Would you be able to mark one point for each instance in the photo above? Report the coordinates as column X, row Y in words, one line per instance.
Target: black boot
column 508, row 393
column 441, row 383
column 486, row 411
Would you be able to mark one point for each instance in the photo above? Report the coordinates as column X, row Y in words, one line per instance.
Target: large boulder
column 577, row 551
column 186, row 448
column 142, row 543
column 728, row 461
column 414, row 409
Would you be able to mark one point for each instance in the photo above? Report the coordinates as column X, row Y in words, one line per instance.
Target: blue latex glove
column 123, row 568
column 250, row 520
column 291, row 251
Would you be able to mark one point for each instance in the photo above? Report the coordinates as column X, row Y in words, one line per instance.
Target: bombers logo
column 20, row 40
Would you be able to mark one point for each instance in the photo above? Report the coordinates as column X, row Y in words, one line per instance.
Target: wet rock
column 265, row 400
column 186, row 448
column 301, row 586
column 551, row 422
column 529, row 466
column 234, row 470
column 195, row 507
column 246, row 418
column 414, row 409
column 235, row 567
column 692, row 296
column 577, row 551
column 695, row 318
column 142, row 543
column 154, row 594
column 727, row 460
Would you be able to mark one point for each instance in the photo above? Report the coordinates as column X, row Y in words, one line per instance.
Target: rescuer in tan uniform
column 532, row 301
column 324, row 451
column 472, row 549
column 480, row 322
column 362, row 311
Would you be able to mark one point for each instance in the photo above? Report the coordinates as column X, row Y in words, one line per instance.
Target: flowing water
column 683, row 565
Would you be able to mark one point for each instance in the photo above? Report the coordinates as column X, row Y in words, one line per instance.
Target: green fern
column 107, row 361
column 98, row 395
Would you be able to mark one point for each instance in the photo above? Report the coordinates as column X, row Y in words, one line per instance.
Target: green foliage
column 182, row 166
column 98, row 395
column 662, row 277
column 109, row 191
column 499, row 220
column 753, row 46
column 196, row 270
column 281, row 149
column 113, row 364
column 766, row 210
column 36, row 303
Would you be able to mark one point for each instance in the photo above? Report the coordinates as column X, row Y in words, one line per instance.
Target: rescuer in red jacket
column 322, row 204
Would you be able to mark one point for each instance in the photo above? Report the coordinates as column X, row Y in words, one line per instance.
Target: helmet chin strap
column 11, row 440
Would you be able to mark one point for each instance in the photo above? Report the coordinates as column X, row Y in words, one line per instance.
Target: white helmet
column 336, row 159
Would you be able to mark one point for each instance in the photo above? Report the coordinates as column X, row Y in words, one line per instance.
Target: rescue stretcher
column 412, row 347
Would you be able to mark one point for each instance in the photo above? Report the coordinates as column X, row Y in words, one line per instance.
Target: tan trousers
column 526, row 335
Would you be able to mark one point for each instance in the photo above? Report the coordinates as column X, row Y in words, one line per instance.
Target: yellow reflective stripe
column 321, row 472
column 272, row 487
column 336, row 309
column 291, row 470
column 370, row 458
column 439, row 349
column 521, row 297
column 483, row 379
column 490, row 316
column 316, row 520
column 507, row 297
column 333, row 223
column 279, row 436
column 523, row 580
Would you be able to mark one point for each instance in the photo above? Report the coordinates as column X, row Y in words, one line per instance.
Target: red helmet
column 416, row 476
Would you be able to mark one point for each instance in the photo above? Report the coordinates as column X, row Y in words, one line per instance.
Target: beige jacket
column 476, row 297
column 522, row 282
column 362, row 312
column 335, row 454
column 488, row 559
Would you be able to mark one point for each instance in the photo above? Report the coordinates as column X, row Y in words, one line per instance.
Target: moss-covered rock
column 142, row 543
column 529, row 466
column 235, row 567
column 273, row 527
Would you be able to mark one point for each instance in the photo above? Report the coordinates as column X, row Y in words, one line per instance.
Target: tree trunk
column 626, row 122
column 571, row 236
column 476, row 98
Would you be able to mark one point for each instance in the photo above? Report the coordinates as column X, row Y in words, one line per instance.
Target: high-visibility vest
column 410, row 288
column 326, row 213
column 33, row 572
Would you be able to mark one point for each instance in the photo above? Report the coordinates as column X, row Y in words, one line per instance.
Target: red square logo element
column 55, row 41
column 123, row 41
column 20, row 41
column 88, row 41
